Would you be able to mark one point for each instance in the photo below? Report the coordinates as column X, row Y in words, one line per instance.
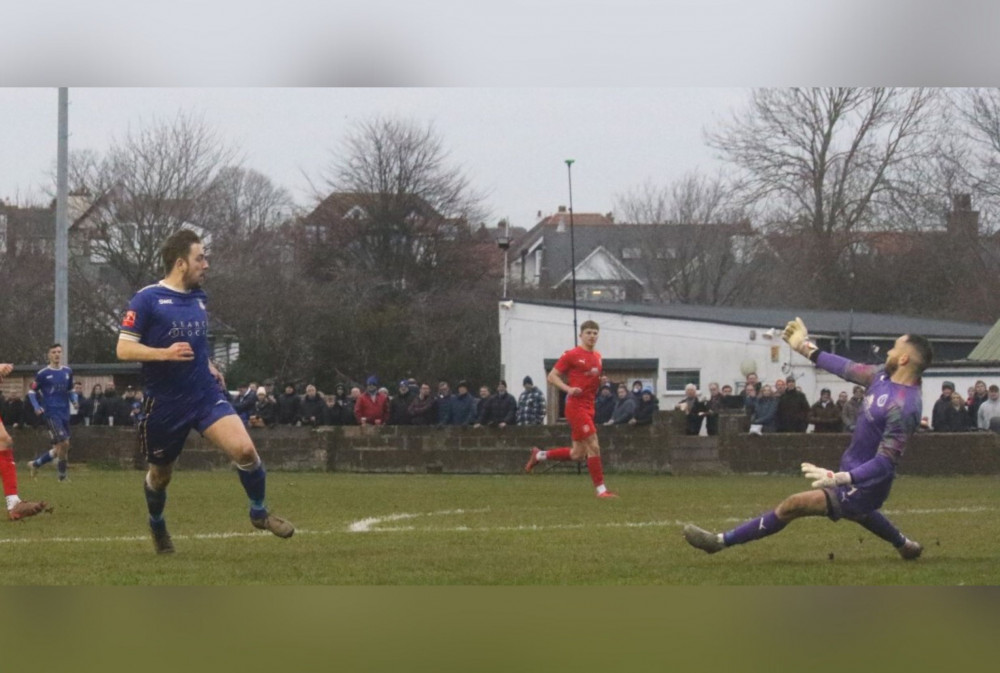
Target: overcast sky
column 512, row 142
column 668, row 69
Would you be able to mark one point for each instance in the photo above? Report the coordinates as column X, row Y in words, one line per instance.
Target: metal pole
column 506, row 233
column 62, row 228
column 572, row 242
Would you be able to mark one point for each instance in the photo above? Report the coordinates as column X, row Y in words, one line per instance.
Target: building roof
column 555, row 237
column 988, row 349
column 820, row 323
column 600, row 265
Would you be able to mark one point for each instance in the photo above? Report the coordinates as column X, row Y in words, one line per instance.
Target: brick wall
column 658, row 449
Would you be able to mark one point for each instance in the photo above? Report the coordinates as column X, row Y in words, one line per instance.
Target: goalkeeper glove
column 797, row 336
column 823, row 477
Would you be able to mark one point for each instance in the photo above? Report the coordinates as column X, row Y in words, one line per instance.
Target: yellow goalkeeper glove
column 797, row 336
column 823, row 478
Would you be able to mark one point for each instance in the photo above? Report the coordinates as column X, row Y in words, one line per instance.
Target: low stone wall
column 658, row 449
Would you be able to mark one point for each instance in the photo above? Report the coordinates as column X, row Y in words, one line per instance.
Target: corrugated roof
column 989, row 348
column 820, row 323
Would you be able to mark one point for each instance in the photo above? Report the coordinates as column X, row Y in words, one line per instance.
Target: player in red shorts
column 16, row 508
column 578, row 374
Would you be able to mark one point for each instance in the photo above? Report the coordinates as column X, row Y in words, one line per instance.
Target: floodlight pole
column 572, row 242
column 61, row 330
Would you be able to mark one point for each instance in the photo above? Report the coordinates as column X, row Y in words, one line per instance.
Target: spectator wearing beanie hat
column 372, row 407
column 530, row 405
column 399, row 405
column 463, row 406
column 940, row 411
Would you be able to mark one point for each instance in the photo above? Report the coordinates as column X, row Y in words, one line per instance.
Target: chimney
column 963, row 220
column 562, row 209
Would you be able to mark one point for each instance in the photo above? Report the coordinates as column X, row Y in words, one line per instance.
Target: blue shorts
column 167, row 424
column 58, row 429
column 853, row 503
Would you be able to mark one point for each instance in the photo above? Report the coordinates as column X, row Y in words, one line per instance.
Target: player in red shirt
column 578, row 374
column 16, row 508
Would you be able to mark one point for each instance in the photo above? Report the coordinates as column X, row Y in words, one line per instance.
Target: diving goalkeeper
column 889, row 415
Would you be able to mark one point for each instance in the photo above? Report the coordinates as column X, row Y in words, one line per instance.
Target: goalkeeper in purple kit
column 889, row 415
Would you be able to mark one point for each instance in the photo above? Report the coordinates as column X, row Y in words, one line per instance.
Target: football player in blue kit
column 856, row 491
column 166, row 329
column 50, row 396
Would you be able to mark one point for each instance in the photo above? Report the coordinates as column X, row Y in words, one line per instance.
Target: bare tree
column 156, row 180
column 245, row 203
column 414, row 205
column 824, row 164
column 976, row 132
column 399, row 282
column 697, row 245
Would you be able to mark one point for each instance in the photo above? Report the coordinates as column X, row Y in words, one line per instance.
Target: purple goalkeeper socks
column 754, row 529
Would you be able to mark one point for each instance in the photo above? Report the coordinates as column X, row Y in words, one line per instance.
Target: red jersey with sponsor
column 582, row 369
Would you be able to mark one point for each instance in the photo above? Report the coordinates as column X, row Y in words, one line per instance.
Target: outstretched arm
column 797, row 336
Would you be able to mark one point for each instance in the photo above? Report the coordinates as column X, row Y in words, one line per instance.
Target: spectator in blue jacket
column 624, row 407
column 463, row 406
column 648, row 406
column 766, row 410
column 604, row 406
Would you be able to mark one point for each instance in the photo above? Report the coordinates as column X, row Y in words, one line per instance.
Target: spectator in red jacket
column 372, row 407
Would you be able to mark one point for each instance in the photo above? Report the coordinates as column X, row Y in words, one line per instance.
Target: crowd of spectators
column 412, row 403
column 980, row 410
column 103, row 406
column 780, row 407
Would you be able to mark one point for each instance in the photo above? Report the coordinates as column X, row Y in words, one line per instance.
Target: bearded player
column 166, row 329
column 889, row 415
column 578, row 374
column 16, row 508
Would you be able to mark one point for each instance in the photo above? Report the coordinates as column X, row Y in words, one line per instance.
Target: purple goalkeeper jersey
column 889, row 415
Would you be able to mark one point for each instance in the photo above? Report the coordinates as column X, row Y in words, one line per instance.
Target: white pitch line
column 371, row 525
column 365, row 525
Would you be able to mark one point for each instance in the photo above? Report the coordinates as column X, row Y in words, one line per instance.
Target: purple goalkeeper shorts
column 851, row 502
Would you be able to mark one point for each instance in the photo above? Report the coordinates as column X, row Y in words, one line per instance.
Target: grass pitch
column 545, row 529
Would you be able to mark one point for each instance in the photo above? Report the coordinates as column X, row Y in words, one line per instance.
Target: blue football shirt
column 55, row 388
column 159, row 316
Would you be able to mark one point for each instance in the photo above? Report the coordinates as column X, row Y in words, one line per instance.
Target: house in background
column 621, row 262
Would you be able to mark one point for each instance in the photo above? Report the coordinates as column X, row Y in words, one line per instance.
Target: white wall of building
column 530, row 334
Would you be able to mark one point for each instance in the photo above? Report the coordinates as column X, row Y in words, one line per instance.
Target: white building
column 670, row 346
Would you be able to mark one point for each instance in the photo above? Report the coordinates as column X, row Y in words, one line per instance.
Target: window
column 600, row 293
column 631, row 253
column 677, row 379
column 666, row 253
column 355, row 213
